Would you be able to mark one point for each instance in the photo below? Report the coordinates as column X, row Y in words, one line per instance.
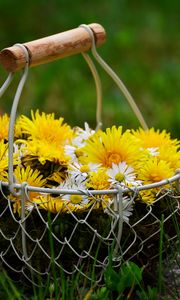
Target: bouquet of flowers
column 49, row 153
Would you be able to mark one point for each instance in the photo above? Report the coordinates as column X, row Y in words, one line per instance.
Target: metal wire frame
column 114, row 236
column 31, row 243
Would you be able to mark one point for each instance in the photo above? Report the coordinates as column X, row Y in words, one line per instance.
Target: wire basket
column 37, row 239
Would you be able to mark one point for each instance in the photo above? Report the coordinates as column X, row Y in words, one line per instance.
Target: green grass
column 130, row 281
column 127, row 282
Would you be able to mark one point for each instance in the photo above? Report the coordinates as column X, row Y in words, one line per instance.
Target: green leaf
column 129, row 275
column 111, row 279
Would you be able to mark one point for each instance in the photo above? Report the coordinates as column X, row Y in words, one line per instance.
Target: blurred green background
column 142, row 46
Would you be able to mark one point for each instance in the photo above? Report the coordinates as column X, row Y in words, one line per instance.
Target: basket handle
column 51, row 48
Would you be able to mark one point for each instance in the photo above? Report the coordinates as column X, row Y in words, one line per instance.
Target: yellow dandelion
column 98, row 180
column 32, row 177
column 18, row 131
column 45, row 127
column 148, row 196
column 111, row 147
column 45, row 151
column 58, row 205
column 170, row 155
column 154, row 138
column 155, row 170
column 51, row 204
column 4, row 126
column 3, row 161
column 57, row 176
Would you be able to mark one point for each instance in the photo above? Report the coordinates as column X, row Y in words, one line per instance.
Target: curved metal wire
column 13, row 118
column 6, row 84
column 57, row 191
column 116, row 79
column 98, row 90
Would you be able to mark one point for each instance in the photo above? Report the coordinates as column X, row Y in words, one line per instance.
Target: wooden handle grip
column 52, row 47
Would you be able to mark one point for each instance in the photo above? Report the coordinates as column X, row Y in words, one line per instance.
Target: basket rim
column 113, row 191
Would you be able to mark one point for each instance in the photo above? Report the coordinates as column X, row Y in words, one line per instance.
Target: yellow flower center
column 113, row 158
column 75, row 199
column 84, row 169
column 119, row 177
column 155, row 177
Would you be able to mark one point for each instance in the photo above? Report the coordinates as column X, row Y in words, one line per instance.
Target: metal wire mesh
column 31, row 245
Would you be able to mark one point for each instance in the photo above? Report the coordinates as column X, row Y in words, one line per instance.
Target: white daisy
column 19, row 149
column 122, row 174
column 71, row 152
column 71, row 184
column 127, row 208
column 80, row 171
column 82, row 135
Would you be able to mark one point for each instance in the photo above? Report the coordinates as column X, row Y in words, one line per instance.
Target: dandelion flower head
column 155, row 170
column 45, row 151
column 46, row 128
column 152, row 138
column 111, row 147
column 32, row 177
